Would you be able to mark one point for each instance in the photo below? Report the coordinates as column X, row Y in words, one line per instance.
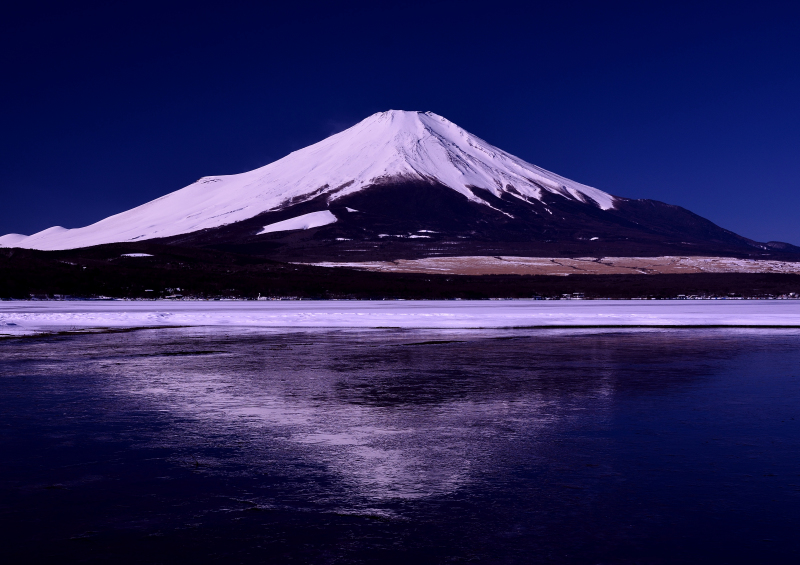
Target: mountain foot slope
column 417, row 219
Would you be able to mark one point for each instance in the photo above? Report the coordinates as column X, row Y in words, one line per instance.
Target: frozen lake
column 308, row 445
column 21, row 318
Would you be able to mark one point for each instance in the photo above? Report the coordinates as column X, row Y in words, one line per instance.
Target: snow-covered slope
column 12, row 239
column 304, row 222
column 393, row 145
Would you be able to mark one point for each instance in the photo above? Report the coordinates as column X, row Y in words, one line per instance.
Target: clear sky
column 106, row 106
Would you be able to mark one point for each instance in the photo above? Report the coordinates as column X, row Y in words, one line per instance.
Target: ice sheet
column 31, row 317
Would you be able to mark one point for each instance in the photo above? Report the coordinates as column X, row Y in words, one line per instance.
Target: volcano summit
column 406, row 185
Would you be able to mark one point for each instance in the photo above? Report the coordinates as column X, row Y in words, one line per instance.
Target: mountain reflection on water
column 402, row 419
column 503, row 446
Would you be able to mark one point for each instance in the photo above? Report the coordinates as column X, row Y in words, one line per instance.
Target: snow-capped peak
column 425, row 145
column 385, row 146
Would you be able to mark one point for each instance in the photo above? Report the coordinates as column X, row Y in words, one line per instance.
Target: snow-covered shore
column 19, row 318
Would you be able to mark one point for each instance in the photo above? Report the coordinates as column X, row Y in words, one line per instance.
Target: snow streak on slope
column 387, row 146
column 304, row 222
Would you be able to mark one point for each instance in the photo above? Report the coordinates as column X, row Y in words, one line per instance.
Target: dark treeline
column 102, row 271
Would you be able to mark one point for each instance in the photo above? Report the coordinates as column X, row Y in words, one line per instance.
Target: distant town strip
column 560, row 266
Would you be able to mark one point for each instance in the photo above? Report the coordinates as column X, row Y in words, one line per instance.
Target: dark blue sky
column 697, row 104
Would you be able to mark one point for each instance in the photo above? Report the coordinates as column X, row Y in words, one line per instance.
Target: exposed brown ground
column 575, row 266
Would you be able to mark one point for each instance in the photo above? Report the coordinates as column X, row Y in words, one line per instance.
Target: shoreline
column 19, row 318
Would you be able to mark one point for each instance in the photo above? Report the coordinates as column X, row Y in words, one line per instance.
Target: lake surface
column 237, row 445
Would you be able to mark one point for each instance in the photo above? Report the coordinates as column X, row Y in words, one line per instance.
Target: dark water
column 187, row 445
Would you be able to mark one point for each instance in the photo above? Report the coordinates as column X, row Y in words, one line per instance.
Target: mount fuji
column 405, row 185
